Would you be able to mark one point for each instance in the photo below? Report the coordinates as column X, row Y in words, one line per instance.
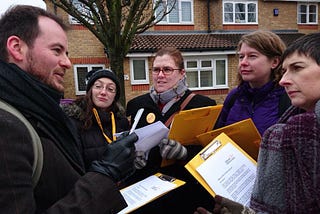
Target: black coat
column 63, row 187
column 93, row 142
column 184, row 198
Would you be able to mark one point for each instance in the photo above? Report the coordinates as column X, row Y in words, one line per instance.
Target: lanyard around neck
column 113, row 124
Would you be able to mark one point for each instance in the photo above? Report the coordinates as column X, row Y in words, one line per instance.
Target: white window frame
column 307, row 13
column 234, row 21
column 213, row 59
column 179, row 11
column 140, row 81
column 75, row 71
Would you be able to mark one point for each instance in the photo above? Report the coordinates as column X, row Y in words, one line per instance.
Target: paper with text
column 146, row 191
column 230, row 174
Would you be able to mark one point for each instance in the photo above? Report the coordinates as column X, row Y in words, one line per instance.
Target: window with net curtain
column 182, row 11
column 206, row 73
column 240, row 12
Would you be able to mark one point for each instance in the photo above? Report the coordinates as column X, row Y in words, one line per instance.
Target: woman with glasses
column 98, row 115
column 165, row 98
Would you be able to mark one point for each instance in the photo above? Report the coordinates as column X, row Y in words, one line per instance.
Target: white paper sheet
column 150, row 136
column 145, row 191
column 229, row 173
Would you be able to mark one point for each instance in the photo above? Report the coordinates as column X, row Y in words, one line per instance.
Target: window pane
column 251, row 7
column 228, row 7
column 192, row 79
column 240, row 7
column 174, row 14
column 312, row 18
column 312, row 9
column 240, row 18
column 139, row 70
column 220, row 72
column 206, row 63
column 81, row 73
column 251, row 17
column 303, row 18
column 303, row 9
column 228, row 17
column 96, row 68
column 191, row 64
column 186, row 11
column 160, row 11
column 206, row 78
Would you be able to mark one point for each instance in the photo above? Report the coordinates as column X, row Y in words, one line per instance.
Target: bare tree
column 115, row 23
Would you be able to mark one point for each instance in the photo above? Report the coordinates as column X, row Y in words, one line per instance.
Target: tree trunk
column 116, row 65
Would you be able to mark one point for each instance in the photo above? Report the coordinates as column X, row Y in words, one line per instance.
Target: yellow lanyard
column 113, row 123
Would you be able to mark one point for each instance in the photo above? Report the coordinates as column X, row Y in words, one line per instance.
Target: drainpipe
column 208, row 6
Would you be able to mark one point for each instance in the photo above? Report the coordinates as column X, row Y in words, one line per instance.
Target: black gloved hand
column 122, row 135
column 118, row 159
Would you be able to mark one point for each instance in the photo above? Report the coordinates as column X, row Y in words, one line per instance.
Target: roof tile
column 195, row 42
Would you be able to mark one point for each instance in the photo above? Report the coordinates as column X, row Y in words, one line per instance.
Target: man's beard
column 31, row 67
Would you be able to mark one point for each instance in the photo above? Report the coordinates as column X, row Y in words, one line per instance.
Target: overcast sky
column 5, row 4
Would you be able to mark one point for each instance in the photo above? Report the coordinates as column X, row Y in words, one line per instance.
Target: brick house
column 207, row 33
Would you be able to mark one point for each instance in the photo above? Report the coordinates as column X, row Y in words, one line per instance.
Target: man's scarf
column 34, row 98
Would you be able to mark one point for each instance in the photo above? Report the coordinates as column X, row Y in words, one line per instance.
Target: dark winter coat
column 63, row 187
column 92, row 140
column 185, row 198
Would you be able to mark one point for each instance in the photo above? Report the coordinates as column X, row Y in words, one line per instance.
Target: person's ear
column 15, row 47
column 275, row 62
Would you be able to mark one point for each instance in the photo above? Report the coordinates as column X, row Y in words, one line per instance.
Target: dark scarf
column 41, row 102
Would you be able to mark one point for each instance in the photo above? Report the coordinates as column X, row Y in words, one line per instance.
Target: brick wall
column 85, row 48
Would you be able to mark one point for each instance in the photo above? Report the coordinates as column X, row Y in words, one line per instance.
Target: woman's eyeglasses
column 108, row 88
column 165, row 70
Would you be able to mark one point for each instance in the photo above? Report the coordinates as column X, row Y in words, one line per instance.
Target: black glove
column 118, row 159
column 122, row 135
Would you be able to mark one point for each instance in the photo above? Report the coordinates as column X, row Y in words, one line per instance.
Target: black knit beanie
column 93, row 75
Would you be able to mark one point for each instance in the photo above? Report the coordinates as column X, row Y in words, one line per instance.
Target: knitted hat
column 93, row 75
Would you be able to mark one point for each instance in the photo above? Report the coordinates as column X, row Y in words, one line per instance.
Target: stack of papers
column 223, row 168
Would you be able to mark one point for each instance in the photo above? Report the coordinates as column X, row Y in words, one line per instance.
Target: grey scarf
column 171, row 96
